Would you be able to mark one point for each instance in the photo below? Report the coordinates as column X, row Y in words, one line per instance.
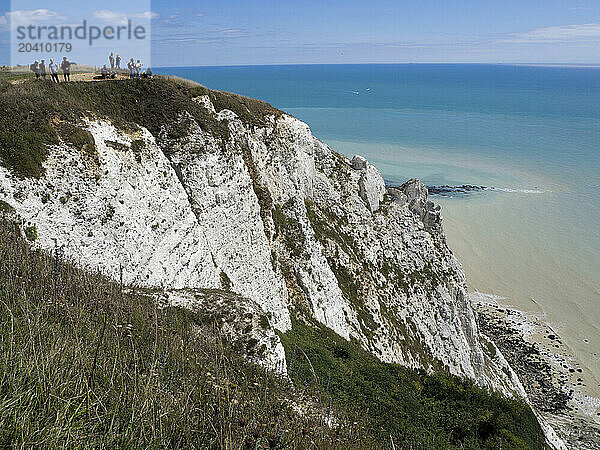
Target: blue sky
column 379, row 31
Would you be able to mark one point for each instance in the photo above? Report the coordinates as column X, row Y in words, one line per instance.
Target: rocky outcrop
column 241, row 321
column 416, row 196
column 270, row 213
column 371, row 185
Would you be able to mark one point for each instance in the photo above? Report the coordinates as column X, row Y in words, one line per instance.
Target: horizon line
column 546, row 64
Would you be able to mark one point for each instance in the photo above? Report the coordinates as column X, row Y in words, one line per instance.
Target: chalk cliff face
column 273, row 215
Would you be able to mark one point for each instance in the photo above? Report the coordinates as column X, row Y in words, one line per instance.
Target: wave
column 468, row 189
column 521, row 191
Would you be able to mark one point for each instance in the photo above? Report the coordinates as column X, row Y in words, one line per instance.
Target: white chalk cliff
column 286, row 220
column 274, row 215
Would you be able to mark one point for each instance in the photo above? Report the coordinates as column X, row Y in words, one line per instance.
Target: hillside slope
column 86, row 362
column 170, row 185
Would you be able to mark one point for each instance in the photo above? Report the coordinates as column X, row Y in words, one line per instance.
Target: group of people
column 40, row 70
column 135, row 68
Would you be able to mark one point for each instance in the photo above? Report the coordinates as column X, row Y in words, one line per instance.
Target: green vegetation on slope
column 30, row 112
column 412, row 408
column 12, row 75
column 83, row 364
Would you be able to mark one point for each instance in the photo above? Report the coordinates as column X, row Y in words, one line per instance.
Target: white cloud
column 566, row 33
column 14, row 19
column 148, row 15
column 120, row 18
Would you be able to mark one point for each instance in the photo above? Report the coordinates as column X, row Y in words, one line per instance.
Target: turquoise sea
column 531, row 132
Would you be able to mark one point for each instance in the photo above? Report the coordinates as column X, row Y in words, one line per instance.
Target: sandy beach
column 559, row 387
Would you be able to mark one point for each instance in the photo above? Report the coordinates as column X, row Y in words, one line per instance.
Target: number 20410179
column 41, row 47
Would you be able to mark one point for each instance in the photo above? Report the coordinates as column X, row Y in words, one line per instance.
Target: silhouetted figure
column 66, row 68
column 35, row 68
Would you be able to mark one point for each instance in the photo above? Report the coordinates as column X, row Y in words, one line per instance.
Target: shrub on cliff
column 412, row 408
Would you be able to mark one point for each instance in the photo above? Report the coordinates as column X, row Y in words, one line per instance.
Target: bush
column 413, row 408
column 31, row 233
column 77, row 137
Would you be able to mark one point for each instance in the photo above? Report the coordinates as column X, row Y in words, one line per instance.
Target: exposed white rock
column 416, row 196
column 371, row 186
column 199, row 213
column 276, row 216
column 220, row 191
column 241, row 321
column 359, row 162
column 204, row 100
column 117, row 213
column 415, row 190
column 132, row 211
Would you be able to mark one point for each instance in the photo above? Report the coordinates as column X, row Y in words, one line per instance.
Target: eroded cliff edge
column 180, row 188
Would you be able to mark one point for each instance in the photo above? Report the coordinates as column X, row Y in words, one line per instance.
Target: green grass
column 10, row 75
column 77, row 137
column 30, row 110
column 415, row 409
column 289, row 229
column 84, row 365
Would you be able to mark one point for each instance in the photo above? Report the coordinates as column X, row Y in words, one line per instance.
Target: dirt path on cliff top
column 82, row 76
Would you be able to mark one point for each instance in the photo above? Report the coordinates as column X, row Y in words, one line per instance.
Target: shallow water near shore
column 531, row 132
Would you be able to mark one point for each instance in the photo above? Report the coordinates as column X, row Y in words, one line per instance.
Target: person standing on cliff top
column 138, row 69
column 118, row 62
column 131, row 67
column 35, row 68
column 66, row 68
column 43, row 68
column 53, row 71
column 111, row 59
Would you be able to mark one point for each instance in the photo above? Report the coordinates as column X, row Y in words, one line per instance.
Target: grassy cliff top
column 31, row 111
